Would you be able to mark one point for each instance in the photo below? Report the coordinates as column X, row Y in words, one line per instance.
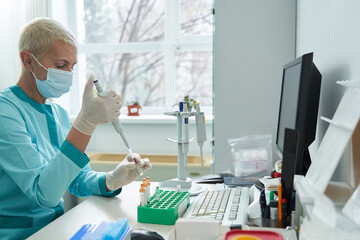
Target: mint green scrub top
column 38, row 164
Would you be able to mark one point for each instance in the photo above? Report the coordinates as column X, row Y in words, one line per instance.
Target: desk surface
column 97, row 209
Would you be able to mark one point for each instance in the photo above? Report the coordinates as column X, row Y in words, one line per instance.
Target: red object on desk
column 275, row 174
column 239, row 234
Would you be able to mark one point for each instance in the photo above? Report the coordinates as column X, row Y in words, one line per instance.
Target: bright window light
column 156, row 51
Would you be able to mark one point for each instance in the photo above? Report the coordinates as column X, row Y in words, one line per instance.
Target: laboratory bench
column 97, row 209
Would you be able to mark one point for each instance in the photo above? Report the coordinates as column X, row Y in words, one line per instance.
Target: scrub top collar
column 24, row 97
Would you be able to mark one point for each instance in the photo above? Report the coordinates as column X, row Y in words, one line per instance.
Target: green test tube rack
column 166, row 210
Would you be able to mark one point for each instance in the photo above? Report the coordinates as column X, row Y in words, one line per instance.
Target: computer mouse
column 143, row 234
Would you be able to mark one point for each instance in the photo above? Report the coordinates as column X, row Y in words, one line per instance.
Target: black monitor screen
column 298, row 109
column 289, row 102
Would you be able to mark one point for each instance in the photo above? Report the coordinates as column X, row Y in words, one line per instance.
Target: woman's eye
column 60, row 67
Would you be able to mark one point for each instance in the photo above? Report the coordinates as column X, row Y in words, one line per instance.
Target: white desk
column 97, row 209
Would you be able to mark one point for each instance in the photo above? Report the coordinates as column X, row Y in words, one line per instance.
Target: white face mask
column 56, row 84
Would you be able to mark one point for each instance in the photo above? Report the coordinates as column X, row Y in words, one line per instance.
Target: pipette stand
column 182, row 178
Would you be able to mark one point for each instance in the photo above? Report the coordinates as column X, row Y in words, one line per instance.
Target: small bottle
column 273, row 210
column 157, row 193
column 142, row 196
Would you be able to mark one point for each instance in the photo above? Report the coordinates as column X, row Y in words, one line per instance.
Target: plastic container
column 166, row 210
column 238, row 234
column 251, row 154
column 119, row 230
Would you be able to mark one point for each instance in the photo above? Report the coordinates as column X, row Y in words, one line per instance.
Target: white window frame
column 173, row 42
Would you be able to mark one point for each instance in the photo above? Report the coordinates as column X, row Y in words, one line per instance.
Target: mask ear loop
column 38, row 62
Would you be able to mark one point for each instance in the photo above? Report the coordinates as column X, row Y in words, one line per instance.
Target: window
column 157, row 51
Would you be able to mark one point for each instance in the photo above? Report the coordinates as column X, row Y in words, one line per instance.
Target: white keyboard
column 228, row 205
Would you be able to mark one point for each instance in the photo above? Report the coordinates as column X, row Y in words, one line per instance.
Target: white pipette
column 117, row 125
column 200, row 130
column 185, row 130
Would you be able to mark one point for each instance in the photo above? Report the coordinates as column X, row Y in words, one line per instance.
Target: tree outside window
column 141, row 49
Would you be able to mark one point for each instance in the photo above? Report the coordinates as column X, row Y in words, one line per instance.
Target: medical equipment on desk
column 117, row 125
column 183, row 141
column 170, row 206
column 200, row 130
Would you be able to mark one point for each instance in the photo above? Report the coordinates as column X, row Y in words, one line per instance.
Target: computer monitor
column 299, row 103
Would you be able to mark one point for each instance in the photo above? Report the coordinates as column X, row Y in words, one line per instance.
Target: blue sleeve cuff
column 102, row 187
column 74, row 154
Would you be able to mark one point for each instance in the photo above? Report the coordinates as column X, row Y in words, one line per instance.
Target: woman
column 42, row 155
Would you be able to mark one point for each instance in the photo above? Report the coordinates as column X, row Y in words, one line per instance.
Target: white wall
column 330, row 29
column 253, row 40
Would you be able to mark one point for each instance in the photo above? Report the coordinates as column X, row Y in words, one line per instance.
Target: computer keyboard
column 228, row 205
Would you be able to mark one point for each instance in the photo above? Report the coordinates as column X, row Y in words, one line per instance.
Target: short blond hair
column 39, row 35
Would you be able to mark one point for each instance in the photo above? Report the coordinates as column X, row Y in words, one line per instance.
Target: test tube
column 142, row 195
column 148, row 188
column 178, row 188
column 145, row 187
column 157, row 193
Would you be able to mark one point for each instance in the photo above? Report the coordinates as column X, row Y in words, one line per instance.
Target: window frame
column 173, row 42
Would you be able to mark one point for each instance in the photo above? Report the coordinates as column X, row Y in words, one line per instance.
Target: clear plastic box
column 251, row 154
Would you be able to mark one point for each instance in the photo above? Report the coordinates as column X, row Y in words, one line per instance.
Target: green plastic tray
column 166, row 210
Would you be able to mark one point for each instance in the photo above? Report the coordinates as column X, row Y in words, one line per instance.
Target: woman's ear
column 26, row 60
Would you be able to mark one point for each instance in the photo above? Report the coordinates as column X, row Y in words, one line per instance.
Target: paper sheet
column 352, row 207
column 327, row 157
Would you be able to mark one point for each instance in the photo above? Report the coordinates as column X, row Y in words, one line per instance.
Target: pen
column 279, row 201
column 292, row 207
column 284, row 209
column 262, row 203
column 271, row 196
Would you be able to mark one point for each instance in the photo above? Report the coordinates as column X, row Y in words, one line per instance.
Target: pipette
column 200, row 130
column 117, row 125
column 185, row 129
